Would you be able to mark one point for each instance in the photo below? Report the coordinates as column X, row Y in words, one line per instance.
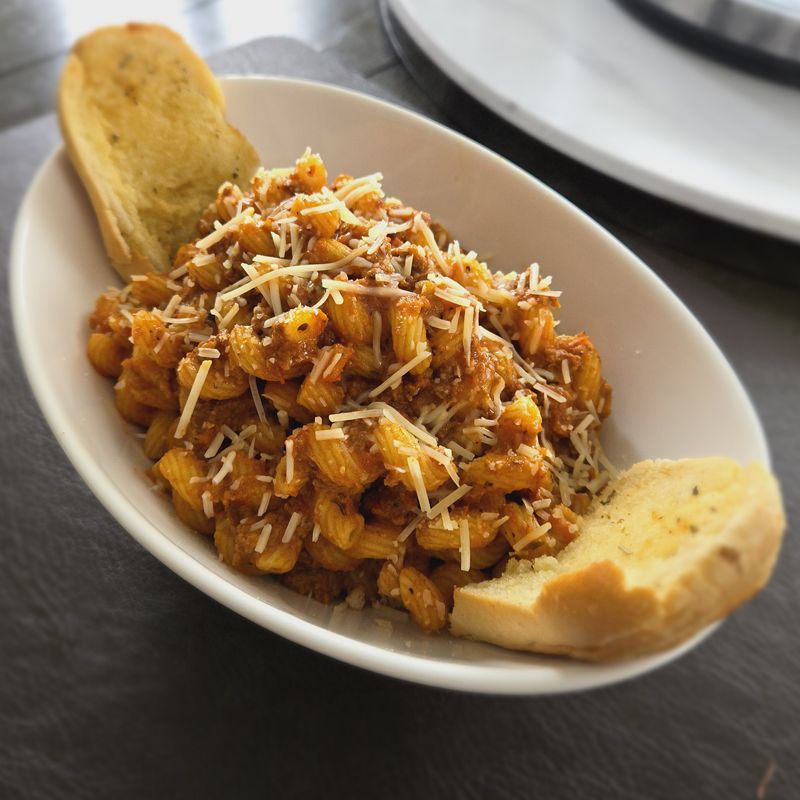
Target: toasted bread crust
column 68, row 109
column 132, row 215
column 597, row 613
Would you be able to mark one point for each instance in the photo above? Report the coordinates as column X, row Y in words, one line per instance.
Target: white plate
column 675, row 395
column 592, row 81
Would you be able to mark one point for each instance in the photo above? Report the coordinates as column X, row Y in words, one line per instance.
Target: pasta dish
column 338, row 393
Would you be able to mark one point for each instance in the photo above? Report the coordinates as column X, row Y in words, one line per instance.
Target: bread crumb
column 356, row 598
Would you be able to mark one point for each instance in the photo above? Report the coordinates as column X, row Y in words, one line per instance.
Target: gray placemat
column 119, row 680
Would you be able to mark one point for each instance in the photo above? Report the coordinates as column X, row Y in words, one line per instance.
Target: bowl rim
column 456, row 675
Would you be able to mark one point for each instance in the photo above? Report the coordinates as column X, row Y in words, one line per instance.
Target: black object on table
column 119, row 680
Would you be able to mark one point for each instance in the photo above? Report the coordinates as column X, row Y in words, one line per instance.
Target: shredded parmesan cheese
column 191, row 400
column 464, row 548
column 264, row 504
column 331, row 433
column 427, row 234
column 439, row 323
column 448, row 501
column 289, row 460
column 219, row 234
column 257, row 399
column 330, row 367
column 419, row 484
column 263, row 538
column 225, row 469
column 178, row 272
column 395, row 378
column 294, row 521
column 216, row 443
column 358, row 288
column 281, row 272
column 539, row 531
column 171, row 306
column 462, row 451
column 410, row 528
column 394, row 415
column 364, row 413
column 208, row 505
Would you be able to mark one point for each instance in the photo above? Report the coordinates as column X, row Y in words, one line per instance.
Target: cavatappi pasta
column 338, row 393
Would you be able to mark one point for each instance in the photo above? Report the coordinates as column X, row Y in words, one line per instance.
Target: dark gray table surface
column 117, row 679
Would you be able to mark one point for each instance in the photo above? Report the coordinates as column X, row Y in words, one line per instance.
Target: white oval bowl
column 675, row 395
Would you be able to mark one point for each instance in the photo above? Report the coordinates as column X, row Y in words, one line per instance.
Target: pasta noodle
column 422, row 599
column 160, row 435
column 105, row 355
column 338, row 518
column 448, row 576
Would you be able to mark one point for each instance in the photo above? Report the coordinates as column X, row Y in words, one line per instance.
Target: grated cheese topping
column 363, row 413
column 225, row 469
column 263, row 538
column 395, row 378
column 214, row 446
column 191, row 400
column 257, row 402
column 219, row 234
column 419, row 484
column 330, row 433
column 291, row 527
column 464, row 546
column 445, row 503
column 289, row 460
column 264, row 504
column 410, row 528
column 537, row 533
column 357, row 288
column 208, row 505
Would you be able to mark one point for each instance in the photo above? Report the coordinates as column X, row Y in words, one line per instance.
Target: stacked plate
column 595, row 82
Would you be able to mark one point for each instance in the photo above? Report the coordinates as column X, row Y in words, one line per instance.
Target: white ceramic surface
column 675, row 395
column 592, row 81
